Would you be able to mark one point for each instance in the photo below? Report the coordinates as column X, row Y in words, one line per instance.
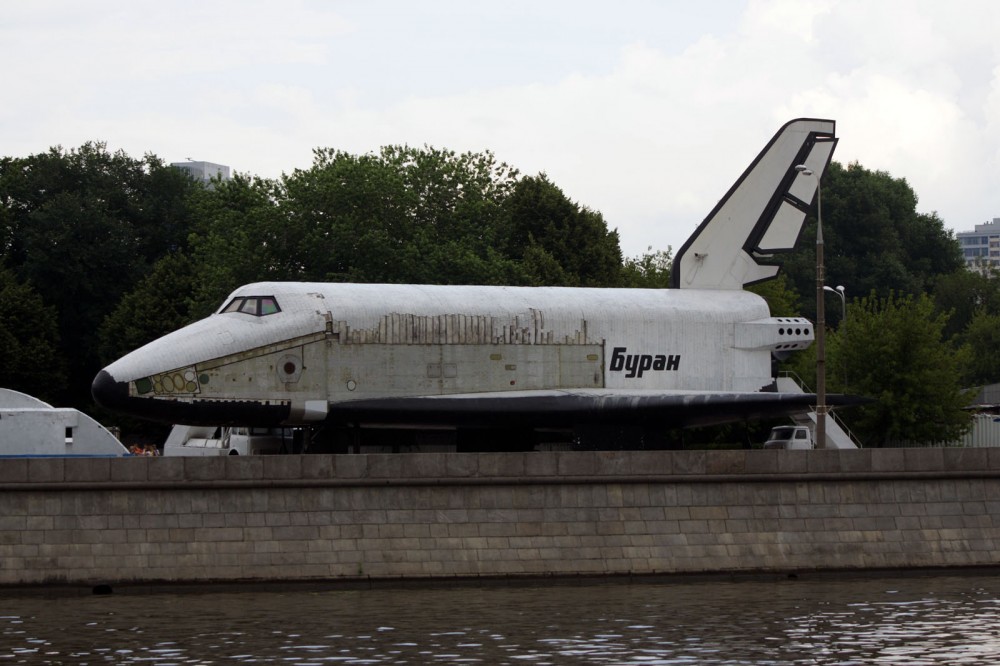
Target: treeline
column 101, row 252
column 919, row 332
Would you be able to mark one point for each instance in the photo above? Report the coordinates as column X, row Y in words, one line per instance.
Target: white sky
column 645, row 111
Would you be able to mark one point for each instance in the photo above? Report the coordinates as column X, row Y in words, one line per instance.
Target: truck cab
column 789, row 437
column 185, row 440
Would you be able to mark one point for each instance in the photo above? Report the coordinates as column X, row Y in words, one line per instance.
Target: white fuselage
column 332, row 343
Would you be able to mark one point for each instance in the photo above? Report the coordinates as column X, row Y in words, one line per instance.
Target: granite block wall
column 360, row 517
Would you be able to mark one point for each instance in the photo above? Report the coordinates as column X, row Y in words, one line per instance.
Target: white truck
column 790, row 437
column 187, row 440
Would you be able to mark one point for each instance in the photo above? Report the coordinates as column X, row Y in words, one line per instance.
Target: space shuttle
column 352, row 357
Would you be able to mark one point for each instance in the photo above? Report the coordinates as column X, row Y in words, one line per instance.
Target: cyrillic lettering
column 617, row 359
column 631, row 365
column 635, row 365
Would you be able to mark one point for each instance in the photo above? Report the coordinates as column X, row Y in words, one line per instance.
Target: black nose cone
column 108, row 393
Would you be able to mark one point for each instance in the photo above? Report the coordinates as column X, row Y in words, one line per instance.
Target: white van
column 208, row 441
column 789, row 437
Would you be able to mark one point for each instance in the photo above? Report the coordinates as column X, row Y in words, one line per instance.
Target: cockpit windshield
column 258, row 306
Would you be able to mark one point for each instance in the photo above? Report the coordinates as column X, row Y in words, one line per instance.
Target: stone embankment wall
column 156, row 520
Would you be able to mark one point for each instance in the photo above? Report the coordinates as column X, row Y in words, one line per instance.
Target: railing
column 805, row 387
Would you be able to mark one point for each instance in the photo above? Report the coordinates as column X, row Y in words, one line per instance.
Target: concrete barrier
column 430, row 515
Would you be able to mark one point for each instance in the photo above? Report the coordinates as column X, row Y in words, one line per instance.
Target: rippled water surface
column 910, row 620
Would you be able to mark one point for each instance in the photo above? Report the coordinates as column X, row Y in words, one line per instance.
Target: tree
column 982, row 339
column 537, row 268
column 964, row 294
column 874, row 238
column 403, row 215
column 241, row 235
column 577, row 239
column 159, row 304
column 81, row 226
column 782, row 300
column 162, row 302
column 650, row 270
column 29, row 341
column 892, row 350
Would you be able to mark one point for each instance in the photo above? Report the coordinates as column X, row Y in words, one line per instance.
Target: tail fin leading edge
column 761, row 214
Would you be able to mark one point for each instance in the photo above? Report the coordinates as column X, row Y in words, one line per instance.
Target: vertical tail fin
column 761, row 214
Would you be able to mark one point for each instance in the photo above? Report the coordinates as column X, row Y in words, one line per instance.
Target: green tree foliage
column 982, row 340
column 81, row 226
column 161, row 302
column 965, row 293
column 240, row 235
column 576, row 239
column 155, row 307
column 537, row 267
column 971, row 298
column 403, row 215
column 29, row 341
column 650, row 270
column 782, row 300
column 144, row 196
column 874, row 238
column 892, row 349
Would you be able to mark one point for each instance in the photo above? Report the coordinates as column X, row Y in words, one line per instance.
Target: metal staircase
column 837, row 434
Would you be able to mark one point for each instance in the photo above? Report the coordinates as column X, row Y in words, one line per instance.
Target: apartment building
column 981, row 247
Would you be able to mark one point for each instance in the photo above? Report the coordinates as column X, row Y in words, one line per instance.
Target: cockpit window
column 258, row 306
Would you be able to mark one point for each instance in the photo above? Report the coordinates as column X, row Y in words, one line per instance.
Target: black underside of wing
column 567, row 409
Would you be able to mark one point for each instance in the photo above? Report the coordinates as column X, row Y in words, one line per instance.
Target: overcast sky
column 645, row 111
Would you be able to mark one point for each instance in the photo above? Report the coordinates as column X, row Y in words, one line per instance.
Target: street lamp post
column 820, row 315
column 843, row 300
column 842, row 328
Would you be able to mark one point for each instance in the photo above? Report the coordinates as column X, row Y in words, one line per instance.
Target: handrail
column 798, row 380
column 805, row 387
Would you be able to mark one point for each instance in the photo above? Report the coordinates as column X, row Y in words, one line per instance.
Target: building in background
column 203, row 171
column 981, row 248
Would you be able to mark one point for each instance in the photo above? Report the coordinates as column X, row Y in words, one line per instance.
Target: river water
column 810, row 620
